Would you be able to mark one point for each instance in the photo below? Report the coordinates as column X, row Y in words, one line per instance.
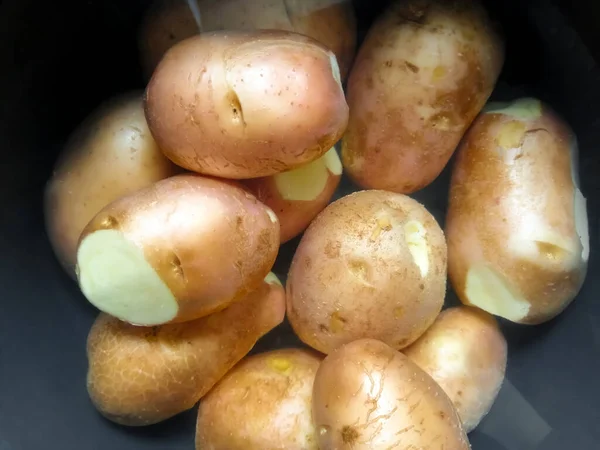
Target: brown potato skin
column 331, row 22
column 465, row 352
column 353, row 276
column 200, row 216
column 109, row 155
column 140, row 376
column 409, row 108
column 251, row 406
column 294, row 215
column 368, row 396
column 536, row 182
column 245, row 104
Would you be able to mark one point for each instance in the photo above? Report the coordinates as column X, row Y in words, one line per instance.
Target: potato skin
column 140, row 376
column 109, row 155
column 264, row 403
column 216, row 242
column 294, row 215
column 522, row 172
column 424, row 72
column 353, row 275
column 368, row 396
column 465, row 352
column 246, row 104
column 331, row 22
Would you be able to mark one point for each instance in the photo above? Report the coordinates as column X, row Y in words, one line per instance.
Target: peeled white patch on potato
column 335, row 69
column 271, row 278
column 415, row 236
column 116, row 278
column 486, row 290
column 523, row 109
column 307, row 182
column 581, row 224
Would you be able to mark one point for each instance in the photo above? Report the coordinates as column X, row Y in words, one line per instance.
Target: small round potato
column 179, row 250
column 141, row 376
column 465, row 352
column 371, row 265
column 517, row 224
column 298, row 195
column 331, row 22
column 109, row 155
column 246, row 104
column 424, row 72
column 264, row 403
column 368, row 396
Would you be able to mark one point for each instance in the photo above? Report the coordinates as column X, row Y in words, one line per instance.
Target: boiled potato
column 298, row 195
column 465, row 352
column 246, row 104
column 143, row 375
column 517, row 224
column 422, row 75
column 109, row 155
column 366, row 395
column 264, row 403
column 331, row 22
column 181, row 249
column 372, row 264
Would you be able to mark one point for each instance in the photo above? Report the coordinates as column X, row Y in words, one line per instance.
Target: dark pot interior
column 62, row 58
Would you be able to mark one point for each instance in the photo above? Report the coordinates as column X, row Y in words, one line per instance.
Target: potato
column 422, row 75
column 109, row 155
column 331, row 22
column 371, row 265
column 179, row 250
column 465, row 352
column 517, row 224
column 246, row 104
column 264, row 403
column 143, row 375
column 368, row 396
column 298, row 195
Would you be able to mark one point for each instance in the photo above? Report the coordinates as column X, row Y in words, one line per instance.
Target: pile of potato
column 169, row 208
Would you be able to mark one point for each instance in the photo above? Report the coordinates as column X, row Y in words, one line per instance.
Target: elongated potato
column 264, row 403
column 141, row 376
column 424, row 72
column 371, row 265
column 465, row 352
column 368, row 396
column 331, row 22
column 298, row 195
column 109, row 155
column 246, row 104
column 179, row 250
column 517, row 223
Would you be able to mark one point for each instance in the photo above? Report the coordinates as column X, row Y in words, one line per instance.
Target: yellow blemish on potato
column 360, row 269
column 271, row 278
column 336, row 323
column 415, row 236
column 523, row 109
column 398, row 312
column 383, row 223
column 552, row 251
column 278, row 364
column 511, row 135
column 307, row 182
column 486, row 290
column 581, row 224
column 439, row 72
column 442, row 121
column 116, row 278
